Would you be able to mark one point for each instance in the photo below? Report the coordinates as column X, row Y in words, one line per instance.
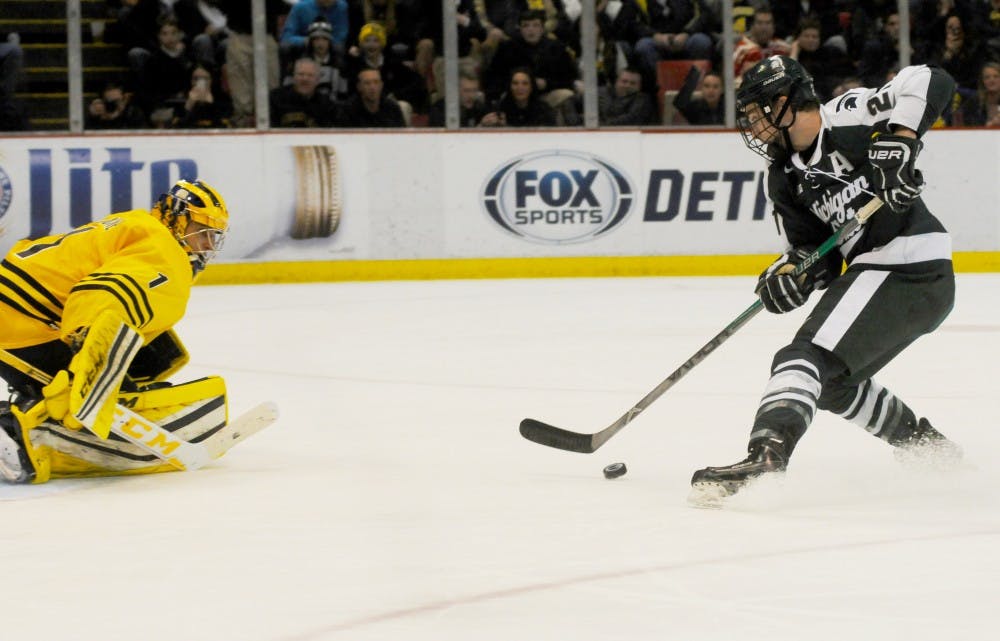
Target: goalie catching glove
column 897, row 181
column 780, row 291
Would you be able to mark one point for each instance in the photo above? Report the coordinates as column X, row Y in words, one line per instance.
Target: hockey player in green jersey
column 826, row 162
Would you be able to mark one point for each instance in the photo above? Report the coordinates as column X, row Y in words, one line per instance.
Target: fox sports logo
column 5, row 193
column 558, row 197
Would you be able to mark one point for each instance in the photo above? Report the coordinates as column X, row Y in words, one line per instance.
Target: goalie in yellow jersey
column 87, row 319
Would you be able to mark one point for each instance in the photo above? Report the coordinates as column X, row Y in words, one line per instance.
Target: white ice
column 394, row 500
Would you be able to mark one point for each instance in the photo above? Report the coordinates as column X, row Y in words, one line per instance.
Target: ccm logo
column 153, row 439
column 885, row 154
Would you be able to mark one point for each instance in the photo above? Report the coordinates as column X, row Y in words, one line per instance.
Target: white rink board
column 424, row 195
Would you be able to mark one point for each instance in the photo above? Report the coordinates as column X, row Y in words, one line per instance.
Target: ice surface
column 394, row 500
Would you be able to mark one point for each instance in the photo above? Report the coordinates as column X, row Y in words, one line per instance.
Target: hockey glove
column 897, row 181
column 782, row 292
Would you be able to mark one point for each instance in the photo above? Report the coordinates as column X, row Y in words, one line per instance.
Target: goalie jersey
column 809, row 205
column 129, row 263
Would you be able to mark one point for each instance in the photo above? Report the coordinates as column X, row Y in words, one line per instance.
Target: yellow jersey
column 128, row 262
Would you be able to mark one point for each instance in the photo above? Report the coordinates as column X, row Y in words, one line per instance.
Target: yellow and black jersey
column 129, row 263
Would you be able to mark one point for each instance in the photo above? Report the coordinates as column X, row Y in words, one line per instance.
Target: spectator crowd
column 378, row 63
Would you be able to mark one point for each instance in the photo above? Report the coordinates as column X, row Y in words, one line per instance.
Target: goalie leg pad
column 98, row 370
column 193, row 411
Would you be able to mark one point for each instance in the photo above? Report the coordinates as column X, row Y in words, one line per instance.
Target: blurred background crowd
column 189, row 64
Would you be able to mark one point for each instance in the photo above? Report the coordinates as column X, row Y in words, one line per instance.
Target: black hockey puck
column 615, row 470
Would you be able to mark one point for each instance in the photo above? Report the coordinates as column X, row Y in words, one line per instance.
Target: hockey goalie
column 88, row 345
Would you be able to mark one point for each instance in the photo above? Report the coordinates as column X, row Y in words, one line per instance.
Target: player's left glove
column 897, row 181
column 781, row 292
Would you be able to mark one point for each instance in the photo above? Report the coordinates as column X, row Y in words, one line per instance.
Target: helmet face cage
column 763, row 84
column 758, row 124
column 195, row 201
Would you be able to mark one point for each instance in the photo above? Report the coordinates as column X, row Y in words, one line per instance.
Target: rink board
column 317, row 205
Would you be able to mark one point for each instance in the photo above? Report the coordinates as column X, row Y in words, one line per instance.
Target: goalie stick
column 552, row 436
column 168, row 447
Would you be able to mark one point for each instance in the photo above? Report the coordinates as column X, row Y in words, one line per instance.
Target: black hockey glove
column 897, row 181
column 781, row 292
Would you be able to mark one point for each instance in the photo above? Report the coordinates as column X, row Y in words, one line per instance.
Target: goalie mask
column 195, row 202
column 762, row 123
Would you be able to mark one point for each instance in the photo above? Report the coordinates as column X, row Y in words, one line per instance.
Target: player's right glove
column 897, row 181
column 782, row 292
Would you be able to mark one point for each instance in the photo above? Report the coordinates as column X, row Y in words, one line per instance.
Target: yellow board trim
column 600, row 266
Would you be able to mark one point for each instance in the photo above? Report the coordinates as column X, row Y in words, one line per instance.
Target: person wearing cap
column 399, row 81
column 320, row 48
column 295, row 33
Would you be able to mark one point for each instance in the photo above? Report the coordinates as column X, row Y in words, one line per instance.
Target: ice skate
column 928, row 449
column 15, row 466
column 712, row 485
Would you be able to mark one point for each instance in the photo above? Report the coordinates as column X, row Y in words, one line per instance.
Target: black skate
column 713, row 484
column 927, row 449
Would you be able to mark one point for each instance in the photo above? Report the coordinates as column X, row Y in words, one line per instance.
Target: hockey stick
column 552, row 436
column 165, row 445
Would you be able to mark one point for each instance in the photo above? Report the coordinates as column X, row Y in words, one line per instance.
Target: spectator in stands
column 826, row 63
column 135, row 28
column 552, row 68
column 625, row 103
column 667, row 36
column 758, row 42
column 203, row 23
column 789, row 14
column 410, row 25
column 499, row 19
column 303, row 14
column 319, row 47
column 166, row 75
column 982, row 109
column 12, row 113
column 707, row 109
column 521, row 105
column 239, row 57
column 881, row 53
column 567, row 27
column 383, row 12
column 113, row 109
column 958, row 50
column 621, row 23
column 471, row 103
column 868, row 19
column 205, row 107
column 299, row 104
column 399, row 81
column 989, row 17
column 430, row 43
column 368, row 107
column 929, row 18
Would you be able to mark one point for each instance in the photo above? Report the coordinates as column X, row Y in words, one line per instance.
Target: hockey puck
column 615, row 470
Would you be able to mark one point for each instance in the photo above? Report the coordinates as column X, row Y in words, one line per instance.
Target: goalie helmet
column 756, row 115
column 194, row 201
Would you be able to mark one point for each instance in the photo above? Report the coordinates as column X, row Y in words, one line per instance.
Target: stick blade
column 552, row 436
